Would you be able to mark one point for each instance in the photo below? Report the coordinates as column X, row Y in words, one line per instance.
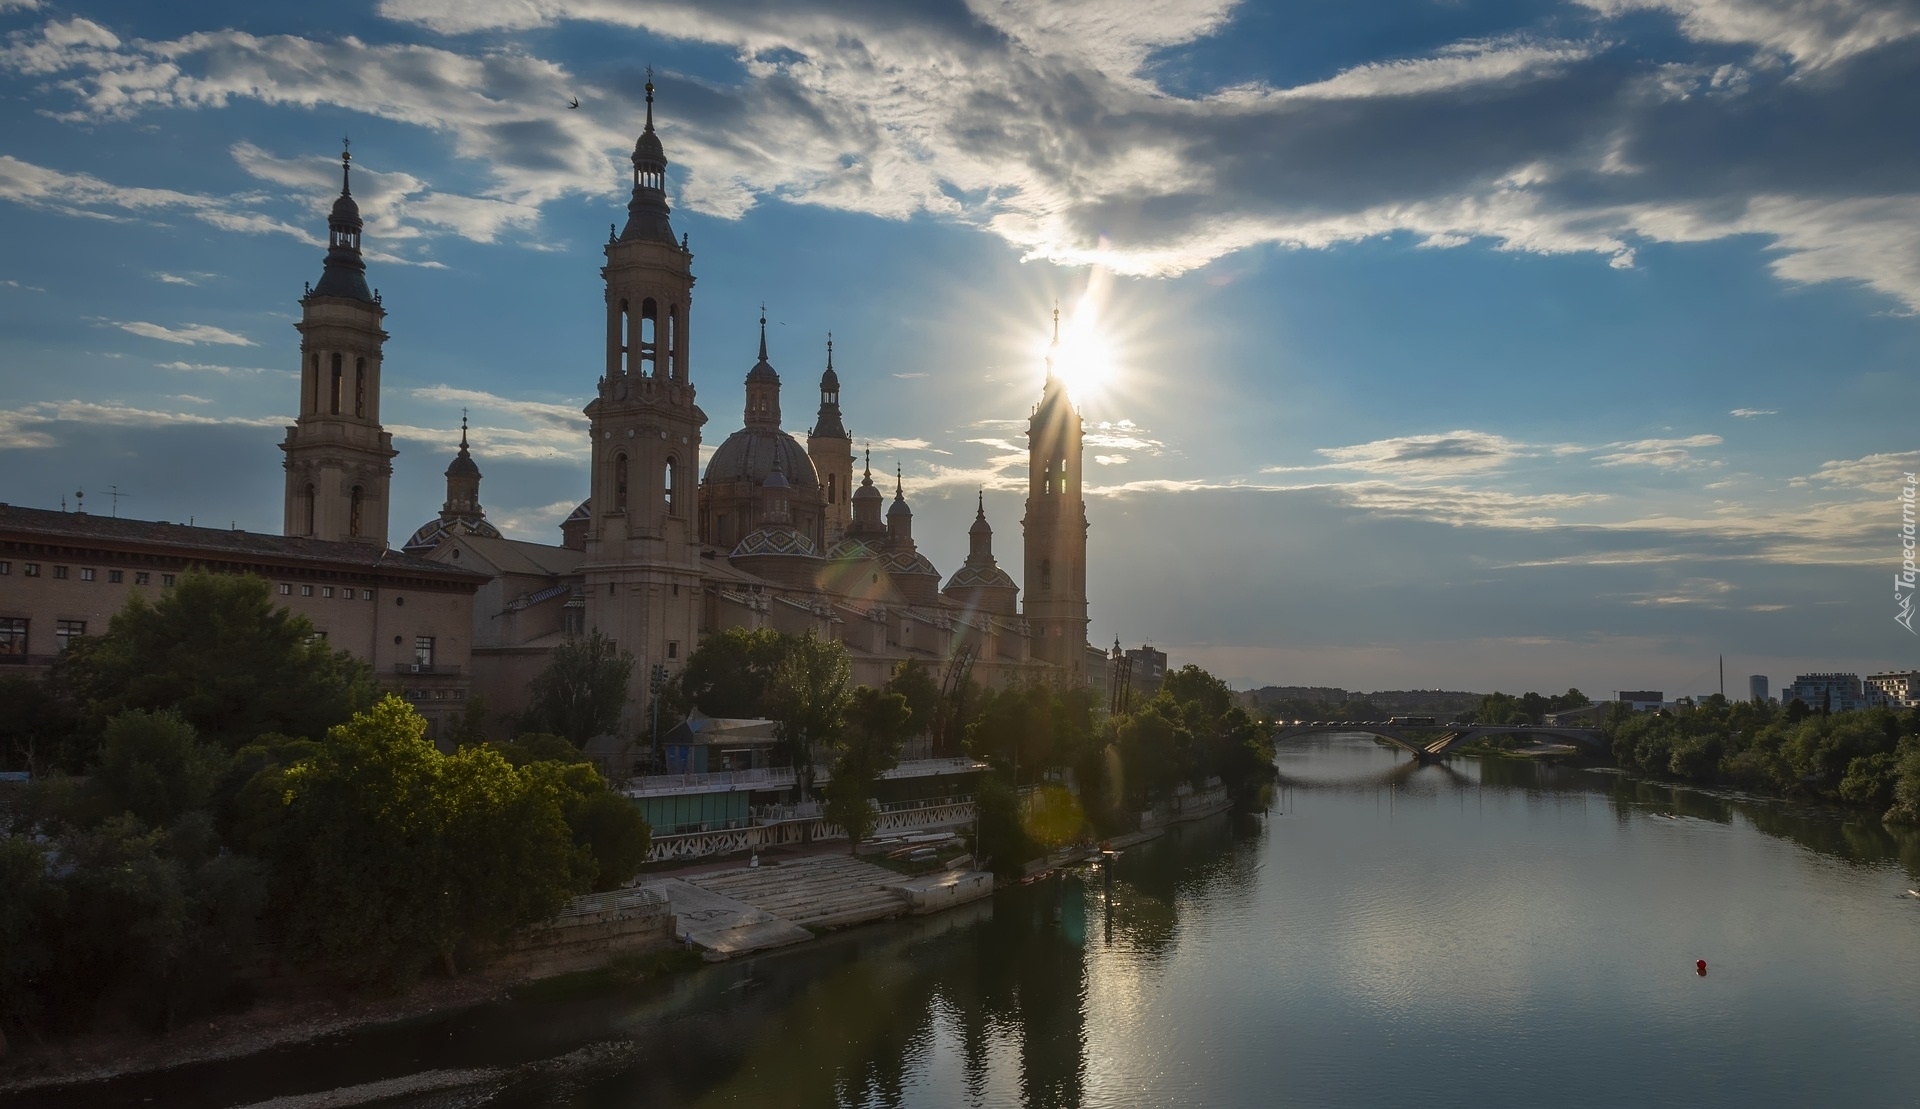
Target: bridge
column 1432, row 741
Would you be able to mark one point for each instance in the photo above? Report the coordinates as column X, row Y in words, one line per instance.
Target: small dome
column 980, row 577
column 648, row 151
column 580, row 514
column 851, row 548
column 866, row 492
column 430, row 534
column 908, row 562
column 899, row 508
column 776, row 479
column 763, row 371
column 775, row 541
column 344, row 210
column 463, row 465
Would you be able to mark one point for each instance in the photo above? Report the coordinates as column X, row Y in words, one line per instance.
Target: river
column 1478, row 933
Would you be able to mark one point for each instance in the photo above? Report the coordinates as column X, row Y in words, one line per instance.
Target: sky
column 1468, row 345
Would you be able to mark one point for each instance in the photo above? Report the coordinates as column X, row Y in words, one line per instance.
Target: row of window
column 436, row 694
column 15, row 637
column 326, row 591
column 87, row 573
column 669, row 479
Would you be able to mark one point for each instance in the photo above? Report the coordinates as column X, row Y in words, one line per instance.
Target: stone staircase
column 819, row 891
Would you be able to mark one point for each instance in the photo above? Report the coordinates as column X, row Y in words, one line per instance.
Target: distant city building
column 1901, row 687
column 1148, row 667
column 1421, row 700
column 1833, row 692
column 1586, row 716
column 1643, row 700
column 1326, row 693
column 1757, row 689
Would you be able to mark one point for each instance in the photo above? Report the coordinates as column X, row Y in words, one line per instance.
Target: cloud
column 30, row 425
column 913, row 376
column 173, row 279
column 1455, row 452
column 1749, row 413
column 1111, row 459
column 1875, row 473
column 1657, row 452
column 1047, row 126
column 190, row 335
column 211, row 368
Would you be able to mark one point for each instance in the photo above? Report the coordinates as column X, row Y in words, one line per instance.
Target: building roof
column 188, row 541
column 748, row 455
column 517, row 556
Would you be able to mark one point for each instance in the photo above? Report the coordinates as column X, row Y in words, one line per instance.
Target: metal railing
column 780, row 777
column 635, row 900
column 426, row 668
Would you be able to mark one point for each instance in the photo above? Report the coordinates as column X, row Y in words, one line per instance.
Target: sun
column 1085, row 359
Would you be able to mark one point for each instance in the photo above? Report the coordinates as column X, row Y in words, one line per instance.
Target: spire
column 763, row 331
column 345, row 275
column 463, row 431
column 1054, row 347
column 647, row 212
column 897, row 494
column 827, row 424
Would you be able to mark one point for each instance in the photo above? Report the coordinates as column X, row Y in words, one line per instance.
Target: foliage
column 389, row 852
column 878, row 724
column 1013, row 729
column 528, row 747
column 730, row 674
column 1053, row 818
column 1528, row 708
column 1869, row 758
column 808, row 701
column 611, row 836
column 1194, row 729
column 583, row 689
column 924, row 703
column 40, row 729
column 1001, row 844
column 154, row 766
column 216, row 650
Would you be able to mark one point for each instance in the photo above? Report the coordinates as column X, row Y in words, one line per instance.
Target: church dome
column 748, row 455
column 345, row 210
column 853, row 548
column 775, row 541
column 980, row 577
column 908, row 562
column 430, row 534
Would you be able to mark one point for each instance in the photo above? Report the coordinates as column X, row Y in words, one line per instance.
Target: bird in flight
column 574, row 103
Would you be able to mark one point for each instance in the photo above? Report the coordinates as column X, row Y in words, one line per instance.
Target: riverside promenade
column 733, row 909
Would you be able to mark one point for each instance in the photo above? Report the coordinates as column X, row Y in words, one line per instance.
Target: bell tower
column 339, row 460
column 831, row 449
column 642, row 544
column 1056, row 530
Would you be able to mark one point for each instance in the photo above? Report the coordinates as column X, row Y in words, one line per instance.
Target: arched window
column 336, row 385
column 353, row 513
column 830, row 483
column 619, row 483
column 360, row 387
column 623, row 325
column 649, row 338
column 674, row 340
column 1046, row 573
column 671, row 480
column 307, row 499
column 316, row 383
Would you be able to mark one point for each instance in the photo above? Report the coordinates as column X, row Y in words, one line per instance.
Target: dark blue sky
column 1466, row 344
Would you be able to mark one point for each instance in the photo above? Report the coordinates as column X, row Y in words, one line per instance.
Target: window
column 13, row 636
column 353, row 513
column 60, row 573
column 346, row 594
column 830, row 481
column 306, row 504
column 285, row 589
column 86, row 573
column 316, row 636
column 166, row 580
column 306, row 591
column 360, row 387
column 141, row 577
column 673, row 649
column 115, row 577
column 1046, row 574
column 366, row 594
column 6, row 568
column 572, row 622
column 66, row 631
column 336, row 385
column 619, row 483
column 671, row 478
column 327, row 592
column 649, row 340
column 33, row 569
column 423, row 650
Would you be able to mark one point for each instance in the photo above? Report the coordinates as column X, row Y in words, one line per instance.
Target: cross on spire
column 346, row 164
column 763, row 331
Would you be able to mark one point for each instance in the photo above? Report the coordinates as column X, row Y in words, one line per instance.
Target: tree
column 611, row 836
column 730, row 674
column 912, row 681
column 216, row 650
column 389, row 852
column 878, row 724
column 583, row 689
column 808, row 701
column 154, row 766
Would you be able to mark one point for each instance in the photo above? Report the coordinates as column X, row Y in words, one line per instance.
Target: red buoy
column 1700, row 968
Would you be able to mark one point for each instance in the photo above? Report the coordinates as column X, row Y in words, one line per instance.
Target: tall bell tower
column 1055, row 597
column 831, row 449
column 339, row 460
column 643, row 553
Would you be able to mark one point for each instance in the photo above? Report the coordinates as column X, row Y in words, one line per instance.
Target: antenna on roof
column 79, row 500
column 114, row 492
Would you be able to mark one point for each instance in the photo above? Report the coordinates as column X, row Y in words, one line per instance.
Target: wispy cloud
column 12, row 284
column 1666, row 453
column 1749, row 413
column 31, row 426
column 191, row 334
column 212, row 368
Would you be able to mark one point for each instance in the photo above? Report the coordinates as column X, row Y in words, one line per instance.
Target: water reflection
column 1462, row 914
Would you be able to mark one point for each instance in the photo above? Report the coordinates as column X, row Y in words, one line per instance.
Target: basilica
column 800, row 537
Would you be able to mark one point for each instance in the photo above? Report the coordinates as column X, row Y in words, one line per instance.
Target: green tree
column 808, row 701
column 878, row 724
column 216, row 650
column 611, row 836
column 389, row 853
column 30, row 915
column 1001, row 844
column 582, row 691
column 912, row 682
column 154, row 766
column 730, row 674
